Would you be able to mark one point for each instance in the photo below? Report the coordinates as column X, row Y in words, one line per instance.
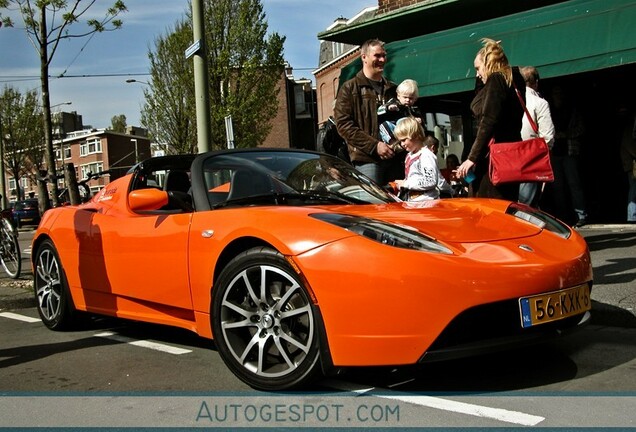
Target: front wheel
column 54, row 302
column 264, row 322
column 10, row 255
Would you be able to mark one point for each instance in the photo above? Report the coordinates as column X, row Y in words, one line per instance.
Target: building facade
column 294, row 125
column 587, row 47
column 92, row 151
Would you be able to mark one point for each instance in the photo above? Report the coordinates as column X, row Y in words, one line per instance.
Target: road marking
column 446, row 405
column 18, row 317
column 144, row 343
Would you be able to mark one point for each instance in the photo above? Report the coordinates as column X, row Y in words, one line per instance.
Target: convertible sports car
column 296, row 265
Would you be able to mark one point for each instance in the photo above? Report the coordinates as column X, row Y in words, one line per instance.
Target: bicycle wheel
column 10, row 256
column 84, row 192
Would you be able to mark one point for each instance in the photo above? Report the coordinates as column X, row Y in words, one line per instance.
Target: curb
column 16, row 294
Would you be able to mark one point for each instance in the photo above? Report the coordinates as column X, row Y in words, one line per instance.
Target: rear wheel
column 10, row 255
column 264, row 322
column 54, row 302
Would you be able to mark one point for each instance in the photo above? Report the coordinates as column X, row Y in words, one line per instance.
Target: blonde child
column 423, row 179
column 393, row 110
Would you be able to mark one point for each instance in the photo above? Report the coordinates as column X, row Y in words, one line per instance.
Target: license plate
column 544, row 308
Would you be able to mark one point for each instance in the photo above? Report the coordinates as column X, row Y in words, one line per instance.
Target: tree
column 118, row 123
column 169, row 110
column 244, row 69
column 47, row 22
column 21, row 127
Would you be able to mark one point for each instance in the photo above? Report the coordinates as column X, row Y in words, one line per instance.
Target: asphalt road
column 116, row 373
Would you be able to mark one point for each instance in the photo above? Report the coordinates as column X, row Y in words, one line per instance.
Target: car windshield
column 286, row 178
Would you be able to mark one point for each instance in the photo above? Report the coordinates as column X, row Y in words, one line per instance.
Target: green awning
column 562, row 39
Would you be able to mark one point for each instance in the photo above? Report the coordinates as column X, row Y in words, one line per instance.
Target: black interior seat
column 177, row 180
column 249, row 183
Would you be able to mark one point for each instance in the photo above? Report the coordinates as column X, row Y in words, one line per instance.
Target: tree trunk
column 46, row 109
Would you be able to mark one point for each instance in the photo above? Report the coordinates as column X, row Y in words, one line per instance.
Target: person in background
column 459, row 186
column 569, row 132
column 449, row 173
column 628, row 158
column 498, row 113
column 356, row 110
column 539, row 110
column 422, row 178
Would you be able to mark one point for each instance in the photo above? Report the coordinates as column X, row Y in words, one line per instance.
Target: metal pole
column 136, row 151
column 3, row 202
column 201, row 78
column 229, row 132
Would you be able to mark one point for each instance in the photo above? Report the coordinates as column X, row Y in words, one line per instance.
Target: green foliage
column 118, row 123
column 245, row 66
column 47, row 22
column 169, row 111
column 21, row 118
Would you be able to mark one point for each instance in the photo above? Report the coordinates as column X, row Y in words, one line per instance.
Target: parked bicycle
column 10, row 255
column 85, row 193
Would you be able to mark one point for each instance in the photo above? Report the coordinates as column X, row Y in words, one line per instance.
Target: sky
column 96, row 69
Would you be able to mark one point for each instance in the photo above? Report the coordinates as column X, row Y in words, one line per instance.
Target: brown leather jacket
column 356, row 116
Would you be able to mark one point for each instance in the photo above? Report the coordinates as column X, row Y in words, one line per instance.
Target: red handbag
column 520, row 161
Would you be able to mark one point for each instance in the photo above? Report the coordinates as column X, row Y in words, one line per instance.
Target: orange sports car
column 296, row 264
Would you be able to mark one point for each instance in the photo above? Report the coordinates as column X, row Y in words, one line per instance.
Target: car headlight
column 386, row 233
column 539, row 219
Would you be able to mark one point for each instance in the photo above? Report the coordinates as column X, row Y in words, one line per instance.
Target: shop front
column 587, row 47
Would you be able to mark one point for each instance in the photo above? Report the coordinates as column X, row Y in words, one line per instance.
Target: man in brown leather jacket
column 356, row 116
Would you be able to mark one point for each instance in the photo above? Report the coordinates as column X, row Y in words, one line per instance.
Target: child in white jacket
column 422, row 177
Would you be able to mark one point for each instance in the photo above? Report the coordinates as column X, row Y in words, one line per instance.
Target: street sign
column 193, row 49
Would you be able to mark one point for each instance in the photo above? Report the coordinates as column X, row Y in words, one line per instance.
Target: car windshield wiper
column 328, row 196
column 282, row 198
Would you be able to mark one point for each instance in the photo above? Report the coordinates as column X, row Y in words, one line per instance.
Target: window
column 299, row 100
column 337, row 49
column 67, row 153
column 91, row 146
column 92, row 167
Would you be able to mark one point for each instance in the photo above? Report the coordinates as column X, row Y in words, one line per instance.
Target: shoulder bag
column 520, row 161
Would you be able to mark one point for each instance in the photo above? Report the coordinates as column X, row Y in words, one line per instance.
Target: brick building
column 294, row 125
column 93, row 151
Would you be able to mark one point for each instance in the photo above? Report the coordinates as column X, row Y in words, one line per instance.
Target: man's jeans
column 631, row 198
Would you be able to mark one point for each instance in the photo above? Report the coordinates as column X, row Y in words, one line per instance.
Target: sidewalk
column 17, row 294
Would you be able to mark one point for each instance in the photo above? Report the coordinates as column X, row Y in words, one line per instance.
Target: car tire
column 53, row 300
column 264, row 322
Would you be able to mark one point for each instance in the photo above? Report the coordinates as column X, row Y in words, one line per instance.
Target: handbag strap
column 532, row 123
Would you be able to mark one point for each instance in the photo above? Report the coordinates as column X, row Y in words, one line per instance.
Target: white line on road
column 447, row 405
column 144, row 343
column 18, row 317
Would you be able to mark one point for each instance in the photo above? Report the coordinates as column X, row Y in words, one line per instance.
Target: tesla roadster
column 297, row 265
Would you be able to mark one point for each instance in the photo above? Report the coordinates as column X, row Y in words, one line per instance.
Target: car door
column 145, row 256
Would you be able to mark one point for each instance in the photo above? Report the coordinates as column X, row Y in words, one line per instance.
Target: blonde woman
column 498, row 112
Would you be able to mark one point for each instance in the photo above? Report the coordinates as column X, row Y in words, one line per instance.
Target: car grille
column 491, row 327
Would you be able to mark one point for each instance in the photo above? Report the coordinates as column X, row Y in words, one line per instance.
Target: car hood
column 451, row 220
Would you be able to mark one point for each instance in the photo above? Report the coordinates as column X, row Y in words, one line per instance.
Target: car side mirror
column 147, row 199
